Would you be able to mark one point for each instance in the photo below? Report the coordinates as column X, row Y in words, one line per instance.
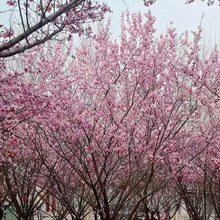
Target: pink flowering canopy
column 145, row 91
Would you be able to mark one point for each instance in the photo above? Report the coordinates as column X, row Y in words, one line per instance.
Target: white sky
column 184, row 17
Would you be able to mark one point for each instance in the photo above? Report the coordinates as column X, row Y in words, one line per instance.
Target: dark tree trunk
column 1, row 214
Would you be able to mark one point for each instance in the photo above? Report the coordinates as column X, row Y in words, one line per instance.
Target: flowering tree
column 67, row 190
column 120, row 124
column 163, row 204
column 121, row 120
column 25, row 185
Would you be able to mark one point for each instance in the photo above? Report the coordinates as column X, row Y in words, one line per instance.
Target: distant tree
column 209, row 2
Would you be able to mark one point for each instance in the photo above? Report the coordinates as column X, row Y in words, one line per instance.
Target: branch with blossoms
column 37, row 21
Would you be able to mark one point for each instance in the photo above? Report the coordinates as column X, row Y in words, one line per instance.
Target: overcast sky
column 184, row 17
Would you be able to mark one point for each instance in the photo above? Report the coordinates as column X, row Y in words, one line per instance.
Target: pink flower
column 11, row 2
column 8, row 33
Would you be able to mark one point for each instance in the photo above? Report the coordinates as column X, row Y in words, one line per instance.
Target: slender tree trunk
column 96, row 216
column 1, row 214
